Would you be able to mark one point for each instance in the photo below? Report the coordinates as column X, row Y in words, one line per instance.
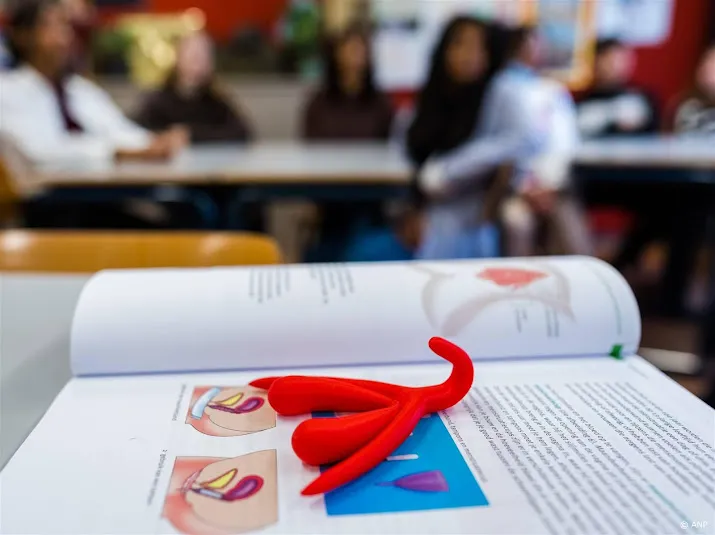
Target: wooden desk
column 35, row 318
column 262, row 163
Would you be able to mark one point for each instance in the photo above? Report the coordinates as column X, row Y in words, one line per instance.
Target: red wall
column 665, row 69
column 223, row 17
column 668, row 69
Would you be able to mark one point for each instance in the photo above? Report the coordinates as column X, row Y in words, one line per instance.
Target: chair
column 8, row 197
column 88, row 252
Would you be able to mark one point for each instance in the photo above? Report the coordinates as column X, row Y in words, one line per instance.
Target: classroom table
column 260, row 163
column 343, row 164
column 316, row 172
column 35, row 317
column 237, row 175
column 684, row 167
column 224, row 179
column 665, row 153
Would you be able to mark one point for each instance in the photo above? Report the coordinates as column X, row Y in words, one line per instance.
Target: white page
column 112, row 453
column 323, row 315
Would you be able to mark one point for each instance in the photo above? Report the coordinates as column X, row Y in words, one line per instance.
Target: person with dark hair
column 450, row 102
column 190, row 99
column 450, row 149
column 696, row 112
column 466, row 124
column 348, row 106
column 613, row 106
column 54, row 114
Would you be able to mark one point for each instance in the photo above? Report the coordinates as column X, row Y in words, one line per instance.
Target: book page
column 348, row 314
column 586, row 446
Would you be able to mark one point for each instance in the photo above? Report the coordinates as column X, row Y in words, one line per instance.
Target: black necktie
column 71, row 124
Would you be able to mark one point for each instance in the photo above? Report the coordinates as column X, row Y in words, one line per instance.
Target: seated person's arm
column 107, row 132
column 551, row 166
column 517, row 134
column 593, row 118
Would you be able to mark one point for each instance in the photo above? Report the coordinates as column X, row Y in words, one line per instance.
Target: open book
column 565, row 429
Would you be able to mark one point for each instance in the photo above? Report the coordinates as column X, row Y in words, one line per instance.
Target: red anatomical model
column 385, row 415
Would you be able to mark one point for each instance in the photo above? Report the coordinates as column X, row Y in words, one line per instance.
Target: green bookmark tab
column 617, row 352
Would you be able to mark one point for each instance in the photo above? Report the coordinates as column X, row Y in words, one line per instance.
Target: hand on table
column 162, row 146
column 177, row 137
column 156, row 151
column 432, row 180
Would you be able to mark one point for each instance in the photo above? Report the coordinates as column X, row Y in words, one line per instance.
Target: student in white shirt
column 541, row 192
column 53, row 114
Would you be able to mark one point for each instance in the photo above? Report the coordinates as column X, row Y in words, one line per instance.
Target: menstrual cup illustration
column 229, row 411
column 430, row 481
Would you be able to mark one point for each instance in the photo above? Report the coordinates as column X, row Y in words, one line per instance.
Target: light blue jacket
column 506, row 132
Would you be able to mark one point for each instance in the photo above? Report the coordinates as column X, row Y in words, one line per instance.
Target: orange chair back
column 91, row 251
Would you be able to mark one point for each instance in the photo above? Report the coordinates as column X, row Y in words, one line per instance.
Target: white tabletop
column 35, row 317
column 658, row 152
column 333, row 164
column 256, row 163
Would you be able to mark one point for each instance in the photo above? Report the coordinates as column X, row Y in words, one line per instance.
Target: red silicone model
column 385, row 415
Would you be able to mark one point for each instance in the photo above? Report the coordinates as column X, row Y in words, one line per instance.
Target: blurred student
column 54, row 114
column 190, row 99
column 465, row 126
column 449, row 142
column 541, row 193
column 348, row 106
column 613, row 106
column 696, row 114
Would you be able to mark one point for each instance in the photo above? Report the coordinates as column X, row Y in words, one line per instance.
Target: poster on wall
column 407, row 30
column 655, row 18
column 567, row 31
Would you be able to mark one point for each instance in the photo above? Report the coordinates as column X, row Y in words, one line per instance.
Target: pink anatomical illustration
column 511, row 277
column 229, row 411
column 222, row 496
column 454, row 297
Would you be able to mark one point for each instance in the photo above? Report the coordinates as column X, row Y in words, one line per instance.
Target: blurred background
column 639, row 83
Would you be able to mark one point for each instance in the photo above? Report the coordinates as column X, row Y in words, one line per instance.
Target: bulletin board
column 406, row 31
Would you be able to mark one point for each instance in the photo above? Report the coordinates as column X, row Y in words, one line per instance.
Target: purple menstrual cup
column 431, row 481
